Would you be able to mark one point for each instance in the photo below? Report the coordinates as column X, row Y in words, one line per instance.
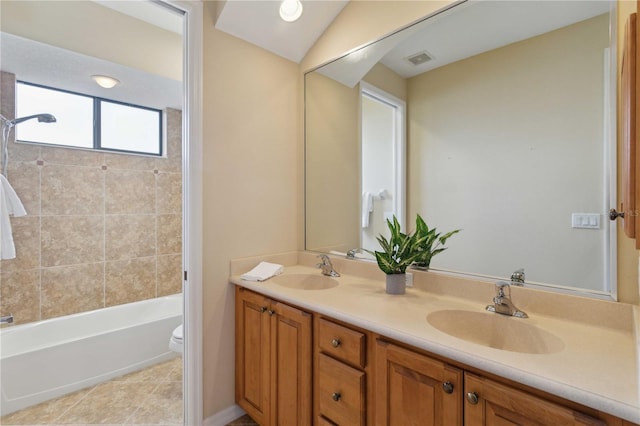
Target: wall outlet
column 409, row 279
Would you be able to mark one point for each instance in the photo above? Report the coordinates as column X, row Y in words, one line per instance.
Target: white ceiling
column 467, row 29
column 52, row 66
column 480, row 26
column 259, row 23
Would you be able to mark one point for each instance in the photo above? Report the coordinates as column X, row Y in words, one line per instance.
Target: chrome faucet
column 326, row 266
column 351, row 254
column 502, row 303
column 517, row 278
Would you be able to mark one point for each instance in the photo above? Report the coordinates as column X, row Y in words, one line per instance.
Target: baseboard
column 224, row 417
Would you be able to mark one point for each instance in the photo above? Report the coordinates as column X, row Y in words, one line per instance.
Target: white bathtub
column 43, row 360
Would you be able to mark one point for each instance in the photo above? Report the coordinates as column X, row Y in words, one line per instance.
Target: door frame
column 192, row 207
column 400, row 145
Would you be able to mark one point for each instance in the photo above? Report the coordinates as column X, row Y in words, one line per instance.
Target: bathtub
column 43, row 360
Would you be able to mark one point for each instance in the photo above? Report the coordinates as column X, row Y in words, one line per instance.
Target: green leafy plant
column 428, row 243
column 398, row 252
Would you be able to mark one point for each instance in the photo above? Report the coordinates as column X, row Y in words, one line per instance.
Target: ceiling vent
column 419, row 58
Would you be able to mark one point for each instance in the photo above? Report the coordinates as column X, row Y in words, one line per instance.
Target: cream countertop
column 598, row 366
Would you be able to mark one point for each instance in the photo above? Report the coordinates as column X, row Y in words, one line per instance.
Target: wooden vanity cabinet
column 273, row 360
column 361, row 378
column 341, row 381
column 413, row 389
column 491, row 403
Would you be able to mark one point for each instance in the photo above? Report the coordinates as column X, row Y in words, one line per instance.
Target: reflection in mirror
column 510, row 108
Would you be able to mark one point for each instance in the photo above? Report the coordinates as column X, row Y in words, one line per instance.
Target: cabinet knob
column 336, row 396
column 263, row 309
column 335, row 342
column 447, row 387
column 472, row 397
column 271, row 312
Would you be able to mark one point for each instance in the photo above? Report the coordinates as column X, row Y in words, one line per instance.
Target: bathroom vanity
column 312, row 349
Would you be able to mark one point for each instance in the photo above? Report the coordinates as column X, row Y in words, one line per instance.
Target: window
column 84, row 121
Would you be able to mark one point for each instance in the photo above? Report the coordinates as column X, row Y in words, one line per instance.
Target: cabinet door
column 253, row 354
column 413, row 389
column 291, row 368
column 491, row 403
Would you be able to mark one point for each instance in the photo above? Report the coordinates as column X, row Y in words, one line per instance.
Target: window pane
column 74, row 116
column 129, row 128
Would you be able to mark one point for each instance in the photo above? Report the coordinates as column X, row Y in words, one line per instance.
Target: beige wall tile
column 26, row 237
column 20, row 295
column 7, row 94
column 130, row 191
column 169, row 234
column 72, row 157
column 72, row 190
column 173, row 161
column 129, row 236
column 169, row 274
column 24, row 152
column 71, row 289
column 129, row 162
column 25, row 180
column 130, row 280
column 169, row 193
column 71, row 240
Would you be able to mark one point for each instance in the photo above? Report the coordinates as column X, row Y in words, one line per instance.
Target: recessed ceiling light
column 290, row 10
column 105, row 81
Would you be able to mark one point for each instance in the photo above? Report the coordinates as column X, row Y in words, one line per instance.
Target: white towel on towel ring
column 10, row 204
column 367, row 208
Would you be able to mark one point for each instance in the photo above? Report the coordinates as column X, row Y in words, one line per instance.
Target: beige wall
column 250, row 192
column 88, row 28
column 333, row 183
column 101, row 229
column 477, row 127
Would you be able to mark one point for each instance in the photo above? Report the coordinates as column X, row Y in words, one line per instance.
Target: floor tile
column 45, row 413
column 163, row 406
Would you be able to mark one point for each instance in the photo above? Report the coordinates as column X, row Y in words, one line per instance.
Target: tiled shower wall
column 101, row 229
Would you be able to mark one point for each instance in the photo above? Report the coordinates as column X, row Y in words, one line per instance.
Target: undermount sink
column 305, row 281
column 496, row 331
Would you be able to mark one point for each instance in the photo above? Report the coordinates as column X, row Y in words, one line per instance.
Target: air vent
column 419, row 58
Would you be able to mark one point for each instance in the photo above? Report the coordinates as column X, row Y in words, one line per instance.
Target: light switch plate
column 585, row 220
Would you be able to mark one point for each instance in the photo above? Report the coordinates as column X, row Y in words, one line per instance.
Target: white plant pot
column 396, row 283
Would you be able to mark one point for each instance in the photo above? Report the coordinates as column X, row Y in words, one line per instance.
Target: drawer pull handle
column 335, row 342
column 472, row 397
column 336, row 396
column 263, row 309
column 447, row 387
column 271, row 312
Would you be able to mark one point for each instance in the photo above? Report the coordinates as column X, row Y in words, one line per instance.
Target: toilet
column 175, row 342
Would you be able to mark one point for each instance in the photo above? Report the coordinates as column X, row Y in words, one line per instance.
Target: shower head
column 42, row 118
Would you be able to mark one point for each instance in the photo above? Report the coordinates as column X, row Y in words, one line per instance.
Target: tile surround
column 90, row 213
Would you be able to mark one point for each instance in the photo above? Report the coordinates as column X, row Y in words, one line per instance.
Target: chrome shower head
column 42, row 118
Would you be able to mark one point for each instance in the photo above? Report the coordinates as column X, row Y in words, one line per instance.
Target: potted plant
column 398, row 252
column 428, row 243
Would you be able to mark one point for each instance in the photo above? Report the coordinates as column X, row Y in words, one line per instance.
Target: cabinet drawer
column 341, row 392
column 342, row 342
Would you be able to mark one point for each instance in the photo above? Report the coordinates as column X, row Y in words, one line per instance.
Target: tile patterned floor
column 152, row 396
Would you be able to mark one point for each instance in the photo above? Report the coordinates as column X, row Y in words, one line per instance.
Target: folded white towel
column 10, row 204
column 367, row 207
column 263, row 271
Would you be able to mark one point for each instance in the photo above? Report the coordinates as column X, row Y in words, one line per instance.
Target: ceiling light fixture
column 105, row 81
column 290, row 10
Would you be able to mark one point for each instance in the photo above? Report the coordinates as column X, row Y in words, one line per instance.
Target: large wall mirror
column 510, row 136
